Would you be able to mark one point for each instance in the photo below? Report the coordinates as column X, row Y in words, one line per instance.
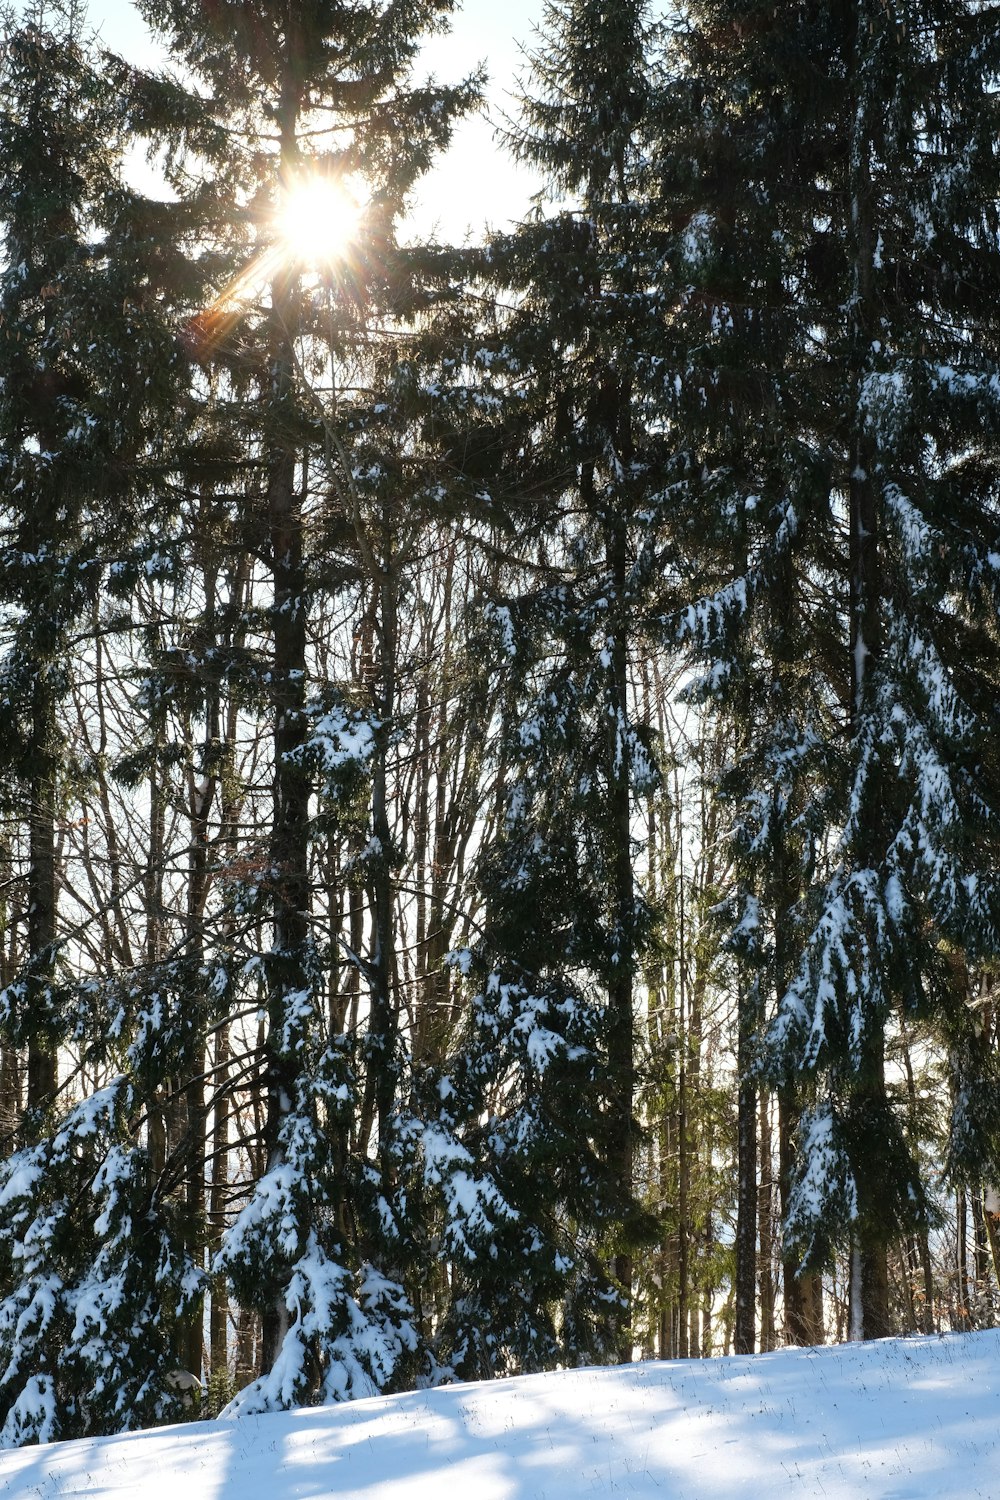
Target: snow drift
column 899, row 1420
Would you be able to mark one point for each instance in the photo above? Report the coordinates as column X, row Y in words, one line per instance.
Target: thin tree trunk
column 382, row 1076
column 218, row 1336
column 289, row 833
column 920, row 1236
column 707, row 1295
column 981, row 1247
column 11, row 1100
column 746, row 1187
column 906, row 1280
column 683, row 1178
column 962, row 1318
column 621, row 1040
column 993, row 1235
column 864, row 647
column 42, row 1058
column 765, row 1219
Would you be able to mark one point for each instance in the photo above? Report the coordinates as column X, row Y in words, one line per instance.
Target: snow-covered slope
column 900, row 1420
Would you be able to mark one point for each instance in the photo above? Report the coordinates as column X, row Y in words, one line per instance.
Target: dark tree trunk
column 864, row 647
column 383, row 1025
column 290, row 826
column 42, row 1059
column 802, row 1291
column 746, row 1187
column 765, row 1219
column 962, row 1317
column 218, row 1336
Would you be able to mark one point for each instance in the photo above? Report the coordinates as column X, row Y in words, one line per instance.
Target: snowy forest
column 500, row 795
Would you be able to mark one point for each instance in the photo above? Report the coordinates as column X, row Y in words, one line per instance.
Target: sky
column 474, row 183
column 900, row 1419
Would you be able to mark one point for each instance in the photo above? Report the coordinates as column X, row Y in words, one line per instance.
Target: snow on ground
column 898, row 1420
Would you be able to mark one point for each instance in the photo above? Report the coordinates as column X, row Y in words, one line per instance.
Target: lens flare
column 314, row 228
column 317, row 221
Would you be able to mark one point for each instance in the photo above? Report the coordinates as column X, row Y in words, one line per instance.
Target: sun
column 317, row 220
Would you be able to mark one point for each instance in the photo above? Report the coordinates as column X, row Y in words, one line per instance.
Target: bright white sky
column 474, row 183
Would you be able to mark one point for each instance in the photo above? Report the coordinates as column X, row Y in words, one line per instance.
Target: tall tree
column 87, row 1306
column 564, row 894
column 317, row 94
column 830, row 352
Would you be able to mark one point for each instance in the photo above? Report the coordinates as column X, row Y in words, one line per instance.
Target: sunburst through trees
column 498, row 820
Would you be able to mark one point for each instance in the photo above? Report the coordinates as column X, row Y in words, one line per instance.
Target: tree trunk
column 765, row 1219
column 981, row 1247
column 42, row 1058
column 289, row 833
column 383, row 1024
column 919, row 1239
column 993, row 1235
column 962, row 1319
column 746, row 1187
column 802, row 1290
column 621, row 982
column 864, row 647
column 875, row 1290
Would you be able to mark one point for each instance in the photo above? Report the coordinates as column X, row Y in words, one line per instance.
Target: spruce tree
column 574, row 359
column 840, row 408
column 93, row 1275
column 307, row 94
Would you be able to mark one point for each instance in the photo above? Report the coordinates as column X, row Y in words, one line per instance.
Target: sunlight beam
column 317, row 221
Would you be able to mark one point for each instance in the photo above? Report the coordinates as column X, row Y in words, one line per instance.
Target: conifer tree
column 563, row 899
column 841, row 405
column 93, row 1274
column 311, row 93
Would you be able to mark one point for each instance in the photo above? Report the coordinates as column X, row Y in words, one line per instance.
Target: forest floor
column 904, row 1419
